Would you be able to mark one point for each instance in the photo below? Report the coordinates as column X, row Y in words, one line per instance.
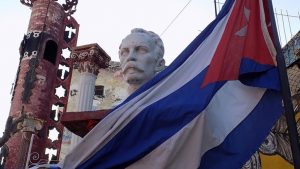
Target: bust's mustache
column 131, row 65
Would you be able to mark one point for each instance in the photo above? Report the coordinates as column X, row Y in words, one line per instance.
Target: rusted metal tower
column 42, row 82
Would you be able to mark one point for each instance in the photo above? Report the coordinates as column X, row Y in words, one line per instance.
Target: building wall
column 115, row 91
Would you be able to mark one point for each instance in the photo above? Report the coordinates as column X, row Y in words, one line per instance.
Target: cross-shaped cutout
column 64, row 70
column 57, row 109
column 70, row 30
column 51, row 152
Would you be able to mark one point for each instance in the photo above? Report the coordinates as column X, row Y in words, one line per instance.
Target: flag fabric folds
column 211, row 108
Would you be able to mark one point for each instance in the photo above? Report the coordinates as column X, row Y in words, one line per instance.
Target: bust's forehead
column 137, row 39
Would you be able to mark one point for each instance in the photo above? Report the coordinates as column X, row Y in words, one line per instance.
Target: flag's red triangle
column 242, row 38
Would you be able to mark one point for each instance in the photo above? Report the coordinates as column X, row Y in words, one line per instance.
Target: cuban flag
column 210, row 109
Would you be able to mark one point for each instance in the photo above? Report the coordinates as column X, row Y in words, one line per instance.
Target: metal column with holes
column 42, row 82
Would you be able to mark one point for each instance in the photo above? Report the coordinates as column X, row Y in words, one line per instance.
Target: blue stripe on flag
column 234, row 151
column 258, row 75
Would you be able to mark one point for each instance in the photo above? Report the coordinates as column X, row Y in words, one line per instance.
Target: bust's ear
column 160, row 65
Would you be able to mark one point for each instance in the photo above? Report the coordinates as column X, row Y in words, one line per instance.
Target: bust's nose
column 132, row 56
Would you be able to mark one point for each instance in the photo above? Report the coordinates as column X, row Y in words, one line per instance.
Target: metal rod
column 288, row 17
column 216, row 13
column 278, row 26
column 286, row 94
column 29, row 151
column 283, row 26
column 291, row 16
column 219, row 8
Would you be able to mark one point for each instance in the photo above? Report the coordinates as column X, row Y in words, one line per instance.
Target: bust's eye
column 142, row 50
column 124, row 52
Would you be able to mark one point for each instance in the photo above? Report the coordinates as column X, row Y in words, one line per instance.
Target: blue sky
column 107, row 22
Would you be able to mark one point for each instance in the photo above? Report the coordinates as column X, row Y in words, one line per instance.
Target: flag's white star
column 243, row 31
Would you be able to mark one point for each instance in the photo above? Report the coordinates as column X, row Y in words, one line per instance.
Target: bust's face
column 138, row 58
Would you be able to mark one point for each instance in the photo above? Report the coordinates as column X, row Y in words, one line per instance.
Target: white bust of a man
column 141, row 56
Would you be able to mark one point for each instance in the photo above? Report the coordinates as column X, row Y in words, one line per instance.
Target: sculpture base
column 80, row 123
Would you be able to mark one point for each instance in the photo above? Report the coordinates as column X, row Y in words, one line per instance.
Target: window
column 50, row 51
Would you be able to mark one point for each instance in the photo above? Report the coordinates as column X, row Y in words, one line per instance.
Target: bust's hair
column 158, row 42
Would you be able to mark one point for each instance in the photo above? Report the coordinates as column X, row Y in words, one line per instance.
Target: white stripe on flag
column 231, row 105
